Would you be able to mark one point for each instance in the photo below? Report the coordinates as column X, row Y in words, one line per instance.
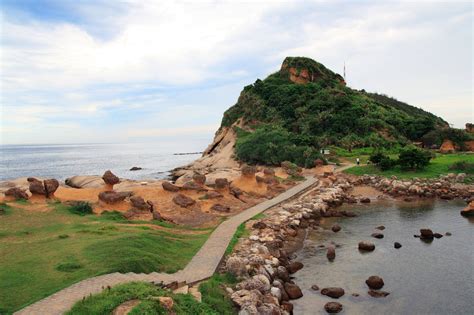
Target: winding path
column 202, row 266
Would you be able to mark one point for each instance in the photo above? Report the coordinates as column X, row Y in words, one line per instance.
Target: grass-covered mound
column 304, row 117
column 214, row 299
column 42, row 252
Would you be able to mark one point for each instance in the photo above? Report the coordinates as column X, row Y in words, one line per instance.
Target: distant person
column 358, row 161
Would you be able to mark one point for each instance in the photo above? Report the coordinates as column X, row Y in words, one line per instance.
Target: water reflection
column 415, row 210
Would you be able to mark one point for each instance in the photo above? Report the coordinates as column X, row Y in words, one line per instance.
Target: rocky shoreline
column 264, row 262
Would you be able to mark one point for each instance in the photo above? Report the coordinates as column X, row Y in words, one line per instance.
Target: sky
column 77, row 71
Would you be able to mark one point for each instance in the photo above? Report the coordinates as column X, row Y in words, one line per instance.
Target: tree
column 414, row 159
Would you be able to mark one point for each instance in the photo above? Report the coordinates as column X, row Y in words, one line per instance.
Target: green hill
column 306, row 106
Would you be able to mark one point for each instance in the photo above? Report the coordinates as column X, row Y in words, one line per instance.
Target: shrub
column 463, row 166
column 386, row 163
column 414, row 159
column 81, row 208
column 376, row 157
column 68, row 266
column 63, row 236
column 272, row 145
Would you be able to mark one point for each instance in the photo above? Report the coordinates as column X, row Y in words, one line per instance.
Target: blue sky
column 127, row 71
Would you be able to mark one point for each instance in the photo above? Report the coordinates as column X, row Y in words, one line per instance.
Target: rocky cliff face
column 302, row 70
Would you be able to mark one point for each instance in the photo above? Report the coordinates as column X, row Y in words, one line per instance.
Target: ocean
column 61, row 161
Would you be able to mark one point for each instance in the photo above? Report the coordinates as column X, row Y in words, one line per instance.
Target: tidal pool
column 422, row 278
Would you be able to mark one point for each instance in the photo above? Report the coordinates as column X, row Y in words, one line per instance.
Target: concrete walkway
column 202, row 266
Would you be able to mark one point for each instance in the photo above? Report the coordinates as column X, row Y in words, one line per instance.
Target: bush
column 414, row 159
column 463, row 166
column 376, row 157
column 81, row 208
column 386, row 163
column 271, row 145
column 68, row 266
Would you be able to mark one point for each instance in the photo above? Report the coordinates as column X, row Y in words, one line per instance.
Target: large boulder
column 293, row 291
column 247, row 297
column 333, row 292
column 139, row 203
column 183, row 200
column 192, row 185
column 331, row 252
column 36, row 186
column 199, row 179
column 374, row 282
column 50, row 186
column 333, row 307
column 469, row 210
column 366, row 246
column 248, row 170
column 220, row 208
column 294, row 267
column 110, row 178
column 170, row 187
column 221, row 183
column 111, row 197
column 16, row 193
column 426, row 234
column 236, row 266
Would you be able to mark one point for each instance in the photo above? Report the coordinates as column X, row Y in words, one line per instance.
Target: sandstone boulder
column 139, row 203
column 213, row 195
column 268, row 172
column 199, row 179
column 110, row 178
column 50, row 186
column 36, row 187
column 221, row 183
column 111, row 197
column 236, row 266
column 191, row 185
column 220, row 208
column 183, row 200
column 16, row 193
column 170, row 187
column 246, row 297
column 248, row 170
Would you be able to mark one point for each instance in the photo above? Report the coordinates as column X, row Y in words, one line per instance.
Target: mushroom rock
column 183, row 200
column 110, row 178
column 16, row 193
column 170, row 187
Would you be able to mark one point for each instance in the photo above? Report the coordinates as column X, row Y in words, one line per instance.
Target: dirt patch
column 367, row 192
column 125, row 307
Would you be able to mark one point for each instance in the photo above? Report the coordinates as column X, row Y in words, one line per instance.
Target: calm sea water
column 62, row 161
column 422, row 278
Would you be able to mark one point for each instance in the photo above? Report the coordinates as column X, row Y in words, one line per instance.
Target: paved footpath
column 202, row 266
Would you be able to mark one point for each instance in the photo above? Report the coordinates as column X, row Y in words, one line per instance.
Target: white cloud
column 61, row 72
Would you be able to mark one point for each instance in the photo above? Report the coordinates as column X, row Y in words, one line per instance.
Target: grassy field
column 42, row 252
column 438, row 166
column 214, row 299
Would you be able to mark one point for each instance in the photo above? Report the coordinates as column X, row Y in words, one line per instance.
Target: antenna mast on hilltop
column 344, row 71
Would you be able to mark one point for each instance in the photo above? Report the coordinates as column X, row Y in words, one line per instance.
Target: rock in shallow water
column 331, row 253
column 377, row 235
column 397, row 245
column 333, row 292
column 293, row 291
column 377, row 294
column 336, row 228
column 366, row 246
column 333, row 307
column 375, row 282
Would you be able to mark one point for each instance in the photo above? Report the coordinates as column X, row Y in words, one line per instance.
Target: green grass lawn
column 43, row 252
column 438, row 166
